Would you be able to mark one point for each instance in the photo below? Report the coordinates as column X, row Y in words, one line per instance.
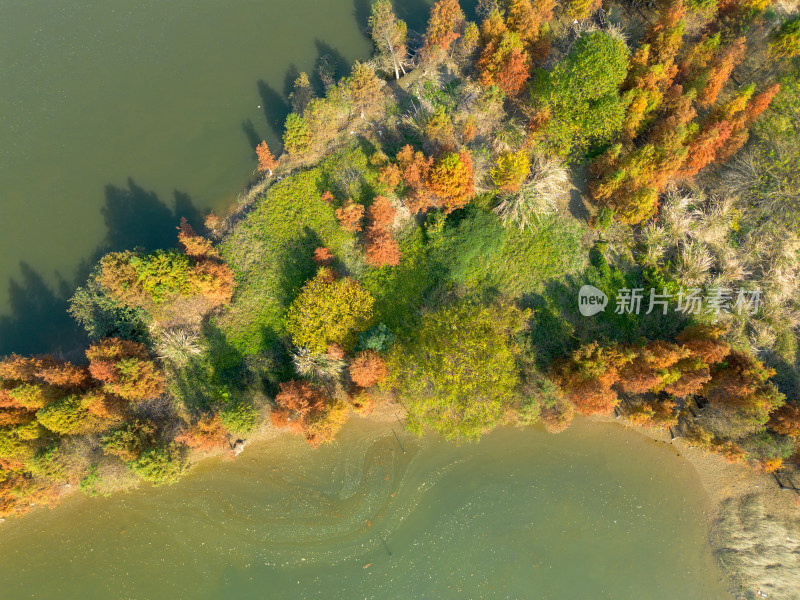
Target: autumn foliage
column 381, row 248
column 451, row 180
column 444, row 24
column 304, row 410
column 194, row 245
column 125, row 369
column 594, row 374
column 786, row 421
column 266, row 161
column 367, row 369
column 323, row 257
column 720, row 71
column 350, row 216
column 155, row 281
column 503, row 61
column 415, row 169
column 206, row 435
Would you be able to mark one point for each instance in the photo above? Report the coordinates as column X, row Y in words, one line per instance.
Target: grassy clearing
column 399, row 291
column 271, row 252
column 478, row 253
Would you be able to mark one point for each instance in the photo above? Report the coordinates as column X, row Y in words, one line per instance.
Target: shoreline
column 723, row 483
column 730, row 488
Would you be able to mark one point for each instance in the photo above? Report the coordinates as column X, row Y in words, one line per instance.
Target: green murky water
column 118, row 117
column 597, row 512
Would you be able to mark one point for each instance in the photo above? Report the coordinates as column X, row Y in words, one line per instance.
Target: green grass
column 399, row 291
column 478, row 253
column 558, row 327
column 271, row 252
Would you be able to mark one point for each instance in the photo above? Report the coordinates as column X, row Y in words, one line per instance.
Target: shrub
column 457, row 370
column 323, row 427
column 130, row 440
column 13, row 440
column 179, row 346
column 350, row 216
column 511, row 170
column 304, row 410
column 379, row 338
column 90, row 484
column 207, row 434
column 160, row 465
column 47, row 463
column 328, row 312
column 367, row 369
column 239, row 417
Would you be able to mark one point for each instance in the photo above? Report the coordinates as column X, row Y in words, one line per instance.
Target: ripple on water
column 597, row 512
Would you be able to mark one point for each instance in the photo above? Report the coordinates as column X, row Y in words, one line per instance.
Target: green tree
column 296, row 136
column 786, row 40
column 329, row 312
column 582, row 92
column 364, row 88
column 129, row 440
column 161, row 465
column 239, row 417
column 457, row 372
column 67, row 416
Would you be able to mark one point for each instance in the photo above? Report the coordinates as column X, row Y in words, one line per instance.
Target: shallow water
column 595, row 512
column 119, row 117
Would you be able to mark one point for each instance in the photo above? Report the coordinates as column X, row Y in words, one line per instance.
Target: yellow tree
column 364, row 88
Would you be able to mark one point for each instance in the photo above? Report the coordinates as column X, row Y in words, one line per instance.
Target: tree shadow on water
column 38, row 321
column 336, row 63
column 275, row 107
column 135, row 218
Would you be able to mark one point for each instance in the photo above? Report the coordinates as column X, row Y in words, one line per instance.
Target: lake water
column 597, row 512
column 111, row 112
